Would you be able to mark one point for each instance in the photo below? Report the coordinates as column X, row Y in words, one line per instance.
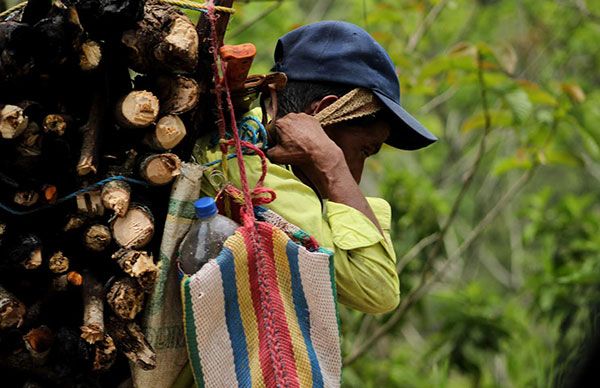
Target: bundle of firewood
column 90, row 91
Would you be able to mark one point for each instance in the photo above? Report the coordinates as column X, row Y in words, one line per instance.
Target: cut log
column 90, row 203
column 26, row 198
column 177, row 94
column 75, row 278
column 30, row 142
column 74, row 222
column 105, row 353
column 13, row 121
column 97, row 237
column 160, row 169
column 38, row 342
column 56, row 124
column 115, row 196
column 139, row 265
column 126, row 298
column 63, row 281
column 90, row 56
column 88, row 159
column 131, row 341
column 26, row 252
column 18, row 50
column 58, row 263
column 165, row 39
column 12, row 311
column 50, row 193
column 138, row 109
column 169, row 132
column 92, row 329
column 135, row 229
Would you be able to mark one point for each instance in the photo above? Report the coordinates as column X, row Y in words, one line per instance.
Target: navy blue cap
column 205, row 207
column 340, row 52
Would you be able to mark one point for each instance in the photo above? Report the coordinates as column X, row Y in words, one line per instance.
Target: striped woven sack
column 264, row 319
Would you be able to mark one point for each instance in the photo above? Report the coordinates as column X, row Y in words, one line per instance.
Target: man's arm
column 303, row 143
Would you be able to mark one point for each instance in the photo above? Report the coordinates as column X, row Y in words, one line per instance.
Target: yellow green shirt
column 364, row 260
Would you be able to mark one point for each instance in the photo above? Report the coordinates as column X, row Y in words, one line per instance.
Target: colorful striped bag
column 264, row 315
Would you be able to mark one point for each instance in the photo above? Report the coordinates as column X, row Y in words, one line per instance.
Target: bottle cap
column 205, row 207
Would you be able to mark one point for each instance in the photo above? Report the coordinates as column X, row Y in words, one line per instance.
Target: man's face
column 358, row 142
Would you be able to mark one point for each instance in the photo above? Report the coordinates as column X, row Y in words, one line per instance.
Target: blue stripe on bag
column 237, row 337
column 301, row 308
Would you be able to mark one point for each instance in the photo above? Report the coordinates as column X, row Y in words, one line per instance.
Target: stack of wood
column 90, row 90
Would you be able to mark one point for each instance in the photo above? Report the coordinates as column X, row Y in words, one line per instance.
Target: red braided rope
column 278, row 359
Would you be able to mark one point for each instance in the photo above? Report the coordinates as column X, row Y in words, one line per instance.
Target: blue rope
column 249, row 133
column 84, row 190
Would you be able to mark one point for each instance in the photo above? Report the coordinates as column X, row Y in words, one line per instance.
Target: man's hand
column 303, row 143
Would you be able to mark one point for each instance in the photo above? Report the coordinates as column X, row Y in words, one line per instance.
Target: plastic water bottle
column 205, row 239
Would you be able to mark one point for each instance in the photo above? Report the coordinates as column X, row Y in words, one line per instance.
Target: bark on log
column 105, row 353
column 30, row 142
column 169, row 132
column 135, row 229
column 126, row 298
column 92, row 329
column 13, row 121
column 88, row 159
column 139, row 265
column 160, row 169
column 115, row 196
column 138, row 109
column 164, row 40
column 12, row 311
column 97, row 237
column 17, row 50
column 131, row 341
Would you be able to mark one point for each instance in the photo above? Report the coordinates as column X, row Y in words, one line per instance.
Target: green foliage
column 520, row 296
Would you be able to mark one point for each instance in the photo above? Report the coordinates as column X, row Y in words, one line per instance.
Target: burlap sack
column 162, row 323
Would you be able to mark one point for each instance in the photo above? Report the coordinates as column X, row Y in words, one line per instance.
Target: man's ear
column 318, row 105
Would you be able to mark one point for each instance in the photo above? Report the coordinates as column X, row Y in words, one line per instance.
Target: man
column 340, row 106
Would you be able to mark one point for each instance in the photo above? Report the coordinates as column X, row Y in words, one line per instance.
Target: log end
column 135, row 229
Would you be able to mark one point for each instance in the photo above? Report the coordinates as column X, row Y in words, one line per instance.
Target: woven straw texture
column 163, row 326
column 357, row 103
column 263, row 320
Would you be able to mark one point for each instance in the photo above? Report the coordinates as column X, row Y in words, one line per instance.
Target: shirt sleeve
column 364, row 259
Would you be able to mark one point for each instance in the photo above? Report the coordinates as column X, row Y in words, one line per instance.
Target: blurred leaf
column 574, row 92
column 500, row 118
column 519, row 103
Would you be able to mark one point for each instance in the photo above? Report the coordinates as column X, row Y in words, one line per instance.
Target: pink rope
column 276, row 355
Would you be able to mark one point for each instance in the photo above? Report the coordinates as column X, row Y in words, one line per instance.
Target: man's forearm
column 334, row 182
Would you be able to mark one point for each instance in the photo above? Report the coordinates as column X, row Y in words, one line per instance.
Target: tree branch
column 255, row 19
column 425, row 25
column 470, row 175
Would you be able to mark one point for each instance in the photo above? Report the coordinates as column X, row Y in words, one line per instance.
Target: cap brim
column 406, row 132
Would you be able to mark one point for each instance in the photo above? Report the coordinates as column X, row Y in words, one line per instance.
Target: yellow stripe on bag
column 247, row 312
column 284, row 280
